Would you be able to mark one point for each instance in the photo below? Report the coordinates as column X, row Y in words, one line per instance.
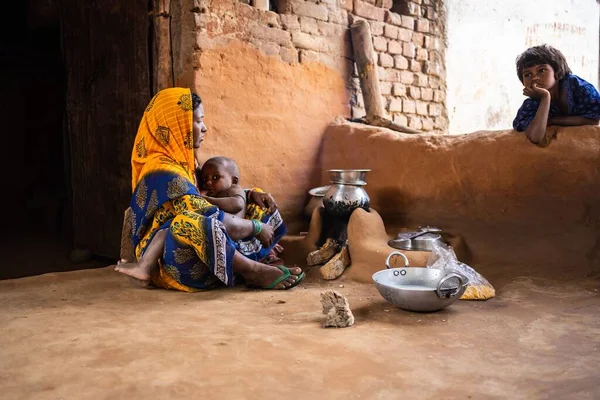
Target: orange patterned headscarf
column 165, row 138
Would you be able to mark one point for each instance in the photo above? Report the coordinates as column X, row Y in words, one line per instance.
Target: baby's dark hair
column 543, row 54
column 196, row 101
column 225, row 162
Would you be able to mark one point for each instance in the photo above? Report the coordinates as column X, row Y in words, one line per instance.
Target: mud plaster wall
column 519, row 208
column 485, row 37
column 272, row 82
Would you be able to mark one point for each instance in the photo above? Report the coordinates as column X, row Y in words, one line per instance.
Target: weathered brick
column 395, row 105
column 338, row 17
column 415, row 66
column 394, row 47
column 386, row 4
column 417, row 39
column 270, row 49
column 385, row 87
column 400, row 62
column 440, row 123
column 434, row 82
column 393, row 18
column 427, row 124
column 428, row 42
column 288, row 55
column 408, row 22
column 404, row 35
column 415, row 123
column 290, row 22
column 432, row 68
column 308, row 25
column 278, row 36
column 366, row 10
column 421, row 107
column 401, row 119
column 414, row 9
column 422, row 54
column 329, row 29
column 385, row 60
column 430, row 13
column 392, row 75
column 422, row 80
column 435, row 110
column 409, row 106
column 435, row 56
column 308, row 42
column 382, row 73
column 333, row 62
column 422, row 25
column 390, row 31
column 414, row 92
column 347, row 5
column 439, row 96
column 427, row 94
column 379, row 43
column 408, row 50
column 399, row 90
column 407, row 77
column 376, row 28
column 306, row 9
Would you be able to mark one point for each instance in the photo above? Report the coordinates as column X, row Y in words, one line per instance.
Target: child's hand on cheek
column 535, row 92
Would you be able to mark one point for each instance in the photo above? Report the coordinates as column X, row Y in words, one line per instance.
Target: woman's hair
column 196, row 101
column 543, row 54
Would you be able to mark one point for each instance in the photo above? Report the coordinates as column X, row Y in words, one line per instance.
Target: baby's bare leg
column 148, row 264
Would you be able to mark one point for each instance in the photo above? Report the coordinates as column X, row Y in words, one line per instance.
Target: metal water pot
column 346, row 192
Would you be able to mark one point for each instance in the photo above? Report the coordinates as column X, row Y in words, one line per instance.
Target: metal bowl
column 419, row 289
column 349, row 176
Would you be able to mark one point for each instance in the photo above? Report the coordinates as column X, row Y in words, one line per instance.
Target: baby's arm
column 232, row 200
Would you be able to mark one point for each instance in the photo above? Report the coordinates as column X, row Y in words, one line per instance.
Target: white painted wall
column 486, row 36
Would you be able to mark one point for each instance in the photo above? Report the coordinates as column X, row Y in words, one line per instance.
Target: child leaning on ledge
column 556, row 96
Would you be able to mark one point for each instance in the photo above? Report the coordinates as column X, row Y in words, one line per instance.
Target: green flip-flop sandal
column 286, row 274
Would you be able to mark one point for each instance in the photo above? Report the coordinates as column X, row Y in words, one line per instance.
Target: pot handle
column 438, row 289
column 396, row 253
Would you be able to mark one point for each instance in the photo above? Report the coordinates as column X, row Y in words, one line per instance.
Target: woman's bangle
column 257, row 227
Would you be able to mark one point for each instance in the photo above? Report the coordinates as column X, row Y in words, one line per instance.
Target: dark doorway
column 36, row 189
column 74, row 79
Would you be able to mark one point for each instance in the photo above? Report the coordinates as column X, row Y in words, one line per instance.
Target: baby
column 219, row 179
column 556, row 96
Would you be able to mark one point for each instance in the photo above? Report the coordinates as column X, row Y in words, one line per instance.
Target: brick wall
column 408, row 36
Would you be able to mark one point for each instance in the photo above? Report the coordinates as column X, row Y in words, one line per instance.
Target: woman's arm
column 572, row 120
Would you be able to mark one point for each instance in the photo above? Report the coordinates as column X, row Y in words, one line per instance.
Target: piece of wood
column 386, row 123
column 336, row 266
column 323, row 254
column 364, row 55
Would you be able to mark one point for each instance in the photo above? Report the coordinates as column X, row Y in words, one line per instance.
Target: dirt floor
column 89, row 334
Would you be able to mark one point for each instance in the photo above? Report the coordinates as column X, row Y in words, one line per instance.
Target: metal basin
column 349, row 176
column 419, row 289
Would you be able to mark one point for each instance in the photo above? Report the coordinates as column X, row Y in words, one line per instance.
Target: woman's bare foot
column 142, row 271
column 135, row 270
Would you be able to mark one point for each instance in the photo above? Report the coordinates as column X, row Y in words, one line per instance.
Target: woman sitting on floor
column 181, row 241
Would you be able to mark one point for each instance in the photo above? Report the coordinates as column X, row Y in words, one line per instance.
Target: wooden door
column 106, row 50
